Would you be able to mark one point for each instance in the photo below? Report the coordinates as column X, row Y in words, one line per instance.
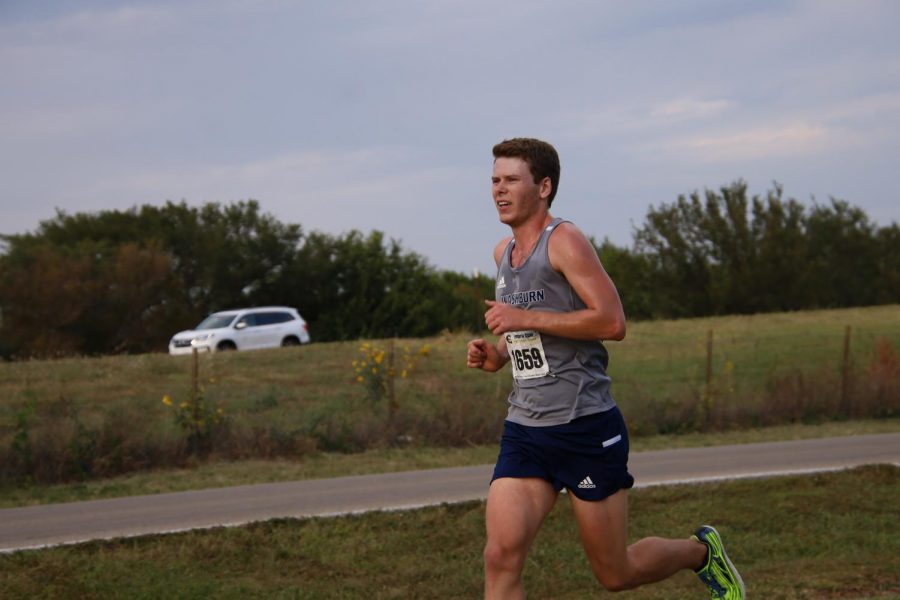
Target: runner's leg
column 603, row 525
column 516, row 507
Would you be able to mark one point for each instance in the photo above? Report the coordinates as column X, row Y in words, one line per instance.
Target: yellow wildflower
column 167, row 400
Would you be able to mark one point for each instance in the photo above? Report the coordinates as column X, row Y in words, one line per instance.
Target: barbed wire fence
column 725, row 379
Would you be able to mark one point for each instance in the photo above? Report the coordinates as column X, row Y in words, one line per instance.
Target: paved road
column 49, row 525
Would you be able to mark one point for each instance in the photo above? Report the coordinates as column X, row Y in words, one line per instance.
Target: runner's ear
column 546, row 188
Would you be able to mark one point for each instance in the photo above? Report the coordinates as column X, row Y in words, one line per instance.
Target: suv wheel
column 226, row 346
column 290, row 341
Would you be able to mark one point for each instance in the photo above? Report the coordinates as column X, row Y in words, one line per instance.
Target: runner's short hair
column 542, row 159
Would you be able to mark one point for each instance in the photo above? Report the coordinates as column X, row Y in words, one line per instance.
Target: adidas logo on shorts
column 586, row 484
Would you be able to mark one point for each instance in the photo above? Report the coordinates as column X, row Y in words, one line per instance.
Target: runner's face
column 516, row 196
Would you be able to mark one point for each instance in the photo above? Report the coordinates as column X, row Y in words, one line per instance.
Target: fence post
column 195, row 375
column 391, row 374
column 845, row 375
column 195, row 385
column 708, row 397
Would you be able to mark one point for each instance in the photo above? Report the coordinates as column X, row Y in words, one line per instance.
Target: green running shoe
column 718, row 573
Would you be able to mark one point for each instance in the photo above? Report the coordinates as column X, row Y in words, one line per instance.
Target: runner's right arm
column 482, row 354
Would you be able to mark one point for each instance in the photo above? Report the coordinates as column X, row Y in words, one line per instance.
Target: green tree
column 129, row 279
column 462, row 300
column 635, row 279
column 723, row 254
column 842, row 267
column 44, row 293
column 888, row 259
column 124, row 281
column 780, row 251
column 77, row 300
column 360, row 285
column 674, row 241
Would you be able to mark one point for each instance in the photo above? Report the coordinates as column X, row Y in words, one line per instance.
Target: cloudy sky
column 344, row 115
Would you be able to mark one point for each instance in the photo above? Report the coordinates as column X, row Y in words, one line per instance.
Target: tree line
column 725, row 253
column 125, row 281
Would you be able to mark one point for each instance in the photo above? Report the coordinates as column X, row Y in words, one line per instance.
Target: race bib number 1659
column 526, row 353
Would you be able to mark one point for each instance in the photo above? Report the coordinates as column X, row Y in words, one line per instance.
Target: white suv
column 243, row 329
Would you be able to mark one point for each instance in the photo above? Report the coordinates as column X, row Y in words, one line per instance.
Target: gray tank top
column 555, row 379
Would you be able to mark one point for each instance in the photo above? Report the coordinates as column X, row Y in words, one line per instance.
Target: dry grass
column 87, row 418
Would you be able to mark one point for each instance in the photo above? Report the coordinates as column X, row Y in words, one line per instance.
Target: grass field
column 824, row 536
column 99, row 426
column 81, row 419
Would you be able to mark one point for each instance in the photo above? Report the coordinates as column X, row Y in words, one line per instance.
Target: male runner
column 554, row 304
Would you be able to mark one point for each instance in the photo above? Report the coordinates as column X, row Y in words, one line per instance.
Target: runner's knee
column 612, row 582
column 612, row 579
column 502, row 557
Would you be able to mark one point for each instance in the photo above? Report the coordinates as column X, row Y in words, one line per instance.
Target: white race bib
column 526, row 353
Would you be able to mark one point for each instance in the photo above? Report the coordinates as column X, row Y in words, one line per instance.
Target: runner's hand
column 481, row 354
column 501, row 317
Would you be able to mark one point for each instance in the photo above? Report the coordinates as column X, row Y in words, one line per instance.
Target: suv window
column 249, row 320
column 272, row 318
column 216, row 322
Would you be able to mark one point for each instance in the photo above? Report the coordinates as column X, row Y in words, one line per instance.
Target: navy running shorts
column 587, row 456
